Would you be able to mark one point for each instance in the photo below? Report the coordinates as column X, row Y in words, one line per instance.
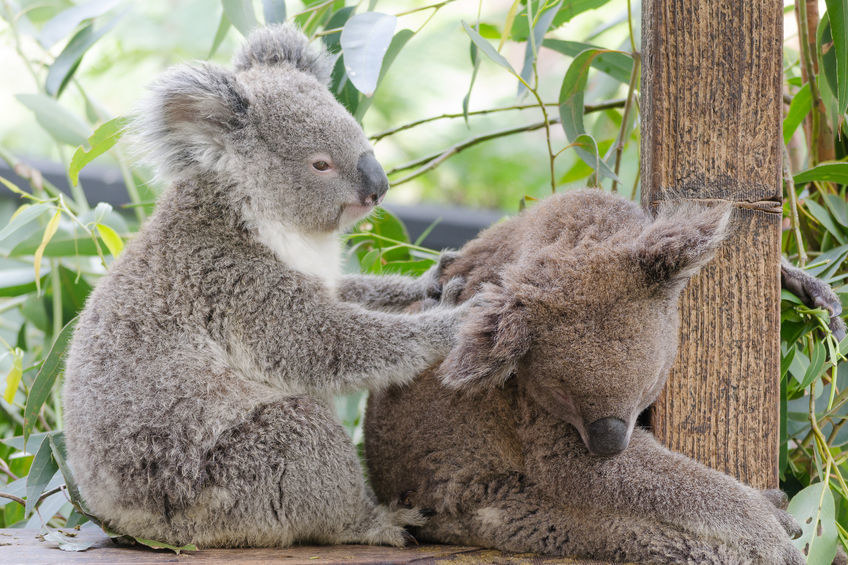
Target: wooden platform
column 25, row 547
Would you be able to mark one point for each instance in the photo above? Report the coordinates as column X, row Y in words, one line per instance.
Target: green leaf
column 24, row 215
column 67, row 20
column 814, row 509
column 817, row 359
column 162, row 545
column 487, row 48
column 112, row 240
column 101, row 141
column 838, row 206
column 241, row 15
column 571, row 8
column 531, row 49
column 18, row 282
column 65, row 65
column 60, row 455
column 57, row 120
column 800, row 106
column 223, row 27
column 832, row 172
column 571, row 110
column 13, row 378
column 46, row 377
column 274, row 11
column 824, row 217
column 337, row 20
column 837, row 12
column 42, row 470
column 615, row 64
column 365, row 39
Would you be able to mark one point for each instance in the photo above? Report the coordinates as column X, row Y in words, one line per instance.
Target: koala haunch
column 570, row 338
column 199, row 377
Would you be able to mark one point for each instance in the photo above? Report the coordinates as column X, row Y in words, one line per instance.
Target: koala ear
column 183, row 123
column 493, row 337
column 681, row 240
column 282, row 44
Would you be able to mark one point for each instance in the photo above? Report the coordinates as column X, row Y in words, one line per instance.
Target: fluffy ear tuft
column 681, row 240
column 284, row 43
column 493, row 337
column 182, row 124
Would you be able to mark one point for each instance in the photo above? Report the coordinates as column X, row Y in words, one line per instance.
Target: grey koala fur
column 572, row 336
column 201, row 369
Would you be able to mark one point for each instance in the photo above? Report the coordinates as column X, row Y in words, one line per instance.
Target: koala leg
column 289, row 473
column 504, row 513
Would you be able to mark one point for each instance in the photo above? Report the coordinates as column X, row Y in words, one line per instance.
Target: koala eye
column 321, row 166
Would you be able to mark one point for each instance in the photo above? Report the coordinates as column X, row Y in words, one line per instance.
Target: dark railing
column 455, row 225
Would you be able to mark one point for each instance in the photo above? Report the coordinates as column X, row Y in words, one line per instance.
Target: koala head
column 589, row 328
column 268, row 132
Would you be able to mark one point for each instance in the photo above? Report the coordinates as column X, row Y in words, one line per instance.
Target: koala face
column 269, row 131
column 598, row 364
column 305, row 160
column 589, row 327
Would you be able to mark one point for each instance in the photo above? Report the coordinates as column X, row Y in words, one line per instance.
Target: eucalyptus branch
column 44, row 495
column 435, row 7
column 312, row 8
column 789, row 182
column 587, row 109
column 433, row 160
column 625, row 117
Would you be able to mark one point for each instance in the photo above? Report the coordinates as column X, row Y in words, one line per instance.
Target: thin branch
column 435, row 159
column 587, row 109
column 625, row 118
column 793, row 207
column 44, row 495
column 5, row 468
column 435, row 7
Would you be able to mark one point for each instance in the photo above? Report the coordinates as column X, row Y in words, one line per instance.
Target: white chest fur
column 313, row 254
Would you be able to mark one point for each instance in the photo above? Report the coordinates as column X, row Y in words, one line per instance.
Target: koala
column 525, row 439
column 201, row 369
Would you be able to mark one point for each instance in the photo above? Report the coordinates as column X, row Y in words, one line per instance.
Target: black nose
column 607, row 436
column 373, row 178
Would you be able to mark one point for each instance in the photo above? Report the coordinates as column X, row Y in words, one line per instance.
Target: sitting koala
column 199, row 378
column 572, row 337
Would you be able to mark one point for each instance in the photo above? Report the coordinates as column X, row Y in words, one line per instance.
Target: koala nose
column 607, row 436
column 374, row 181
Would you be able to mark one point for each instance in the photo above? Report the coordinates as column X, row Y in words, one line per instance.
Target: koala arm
column 814, row 293
column 302, row 337
column 395, row 291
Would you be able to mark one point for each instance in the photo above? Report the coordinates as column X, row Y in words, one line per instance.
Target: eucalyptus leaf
column 59, row 122
column 532, row 47
column 800, row 106
column 614, row 63
column 224, row 26
column 837, row 13
column 42, row 470
column 101, row 141
column 832, row 171
column 241, row 15
column 814, row 509
column 63, row 23
column 274, row 11
column 365, row 39
column 65, row 65
column 487, row 48
column 46, row 377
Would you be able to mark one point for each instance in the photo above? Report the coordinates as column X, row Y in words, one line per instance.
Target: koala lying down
column 571, row 337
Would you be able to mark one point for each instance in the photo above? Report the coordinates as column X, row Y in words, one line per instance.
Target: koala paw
column 452, row 291
column 814, row 293
column 432, row 279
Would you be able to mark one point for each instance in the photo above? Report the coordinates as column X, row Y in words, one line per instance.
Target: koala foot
column 814, row 293
column 387, row 527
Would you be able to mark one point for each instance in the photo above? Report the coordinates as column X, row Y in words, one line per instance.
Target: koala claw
column 814, row 293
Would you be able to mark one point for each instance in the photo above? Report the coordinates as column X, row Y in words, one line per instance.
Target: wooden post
column 711, row 130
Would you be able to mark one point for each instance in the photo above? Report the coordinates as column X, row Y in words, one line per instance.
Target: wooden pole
column 711, row 130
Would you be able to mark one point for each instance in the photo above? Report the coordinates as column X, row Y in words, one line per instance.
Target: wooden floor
column 25, row 547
